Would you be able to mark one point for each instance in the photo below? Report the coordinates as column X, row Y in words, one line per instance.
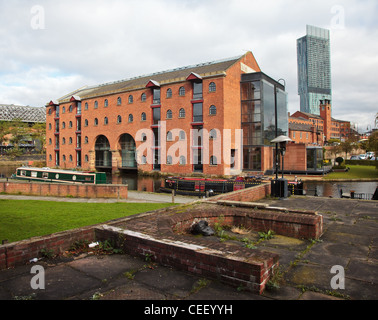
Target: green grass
column 355, row 172
column 23, row 219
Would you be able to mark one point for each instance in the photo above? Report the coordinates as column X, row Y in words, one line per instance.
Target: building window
column 197, row 112
column 63, row 125
column 197, row 90
column 50, row 127
column 169, row 160
column 213, row 134
column 182, row 91
column 86, row 158
column 182, row 113
column 70, row 141
column 119, row 101
column 86, row 123
column 213, row 161
column 131, row 99
column 143, row 97
column 131, row 118
column 182, row 160
column 96, row 122
column 106, row 103
column 182, row 135
column 169, row 136
column 86, row 106
column 119, row 119
column 64, row 158
column 213, row 110
column 50, row 157
column 71, row 108
column 156, row 115
column 106, row 121
column 169, row 114
column 144, row 160
column 50, row 141
column 64, row 141
column 143, row 117
column 212, row 87
column 71, row 159
column 156, row 95
column 64, row 110
column 86, row 140
column 70, row 124
column 169, row 93
column 96, row 105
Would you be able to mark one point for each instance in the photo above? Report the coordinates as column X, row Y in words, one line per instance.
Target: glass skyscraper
column 314, row 69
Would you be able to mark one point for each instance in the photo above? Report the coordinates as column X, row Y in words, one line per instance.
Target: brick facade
column 76, row 121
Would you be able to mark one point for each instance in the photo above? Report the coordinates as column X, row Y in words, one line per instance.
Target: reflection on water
column 152, row 184
column 334, row 189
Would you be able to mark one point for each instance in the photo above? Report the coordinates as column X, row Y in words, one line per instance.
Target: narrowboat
column 212, row 187
column 59, row 176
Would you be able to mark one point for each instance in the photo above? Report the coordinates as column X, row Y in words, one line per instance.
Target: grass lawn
column 23, row 219
column 355, row 172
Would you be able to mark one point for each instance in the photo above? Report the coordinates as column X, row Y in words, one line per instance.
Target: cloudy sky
column 49, row 48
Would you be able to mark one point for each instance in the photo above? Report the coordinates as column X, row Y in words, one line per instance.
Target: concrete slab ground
column 350, row 240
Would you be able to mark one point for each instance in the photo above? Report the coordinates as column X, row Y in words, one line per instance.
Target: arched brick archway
column 103, row 154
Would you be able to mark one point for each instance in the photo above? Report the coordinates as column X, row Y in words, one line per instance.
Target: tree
column 347, row 147
column 373, row 145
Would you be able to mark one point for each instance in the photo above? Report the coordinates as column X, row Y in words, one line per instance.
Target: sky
column 49, row 48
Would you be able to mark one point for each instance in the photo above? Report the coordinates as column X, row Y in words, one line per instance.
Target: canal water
column 152, row 184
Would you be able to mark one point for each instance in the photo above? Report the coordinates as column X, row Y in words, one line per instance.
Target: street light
column 279, row 186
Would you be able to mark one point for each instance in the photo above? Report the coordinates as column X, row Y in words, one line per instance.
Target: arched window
column 182, row 91
column 143, row 117
column 71, row 108
column 182, row 160
column 86, row 140
column 64, row 110
column 119, row 119
column 169, row 93
column 63, row 125
column 86, row 123
column 143, row 97
column 169, row 136
column 169, row 114
column 50, row 141
column 64, row 141
column 106, row 121
column 213, row 161
column 144, row 160
column 64, row 158
column 212, row 87
column 71, row 158
column 119, row 101
column 169, row 159
column 86, row 106
column 70, row 124
column 131, row 118
column 213, row 134
column 86, row 158
column 70, row 141
column 182, row 113
column 213, row 110
column 96, row 104
column 131, row 99
column 96, row 122
column 182, row 135
column 106, row 103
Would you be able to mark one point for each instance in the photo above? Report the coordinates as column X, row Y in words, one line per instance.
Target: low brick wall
column 250, row 269
column 18, row 253
column 65, row 190
column 297, row 224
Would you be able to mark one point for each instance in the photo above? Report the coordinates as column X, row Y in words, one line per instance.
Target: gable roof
column 206, row 69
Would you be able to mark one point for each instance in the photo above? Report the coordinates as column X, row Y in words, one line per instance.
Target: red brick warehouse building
column 178, row 121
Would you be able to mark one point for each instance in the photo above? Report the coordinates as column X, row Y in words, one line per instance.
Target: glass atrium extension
column 264, row 116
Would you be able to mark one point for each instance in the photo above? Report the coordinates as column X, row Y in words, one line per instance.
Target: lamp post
column 279, row 186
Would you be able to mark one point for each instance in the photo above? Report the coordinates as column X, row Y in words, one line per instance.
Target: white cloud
column 91, row 41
